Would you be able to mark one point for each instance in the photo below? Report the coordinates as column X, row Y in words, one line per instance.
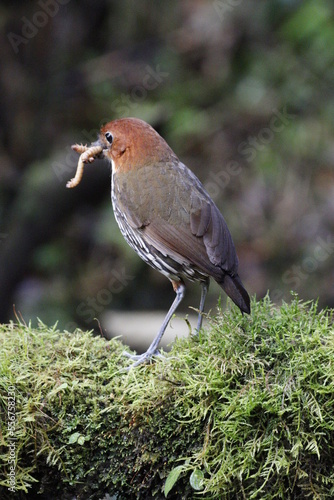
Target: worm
column 87, row 155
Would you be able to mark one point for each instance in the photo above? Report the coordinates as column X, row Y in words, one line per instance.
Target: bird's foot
column 195, row 333
column 141, row 358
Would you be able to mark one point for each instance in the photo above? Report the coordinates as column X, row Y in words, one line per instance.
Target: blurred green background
column 242, row 91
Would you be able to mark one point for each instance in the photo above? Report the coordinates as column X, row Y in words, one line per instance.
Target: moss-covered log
column 244, row 411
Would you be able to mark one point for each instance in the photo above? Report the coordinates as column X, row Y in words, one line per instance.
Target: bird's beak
column 99, row 144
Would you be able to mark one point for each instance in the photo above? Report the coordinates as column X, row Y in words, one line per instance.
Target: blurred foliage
column 245, row 410
column 243, row 93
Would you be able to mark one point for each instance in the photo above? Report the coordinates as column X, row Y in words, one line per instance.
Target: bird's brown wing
column 177, row 244
column 175, row 214
column 207, row 222
column 204, row 242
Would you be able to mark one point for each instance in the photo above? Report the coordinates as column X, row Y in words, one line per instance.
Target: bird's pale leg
column 179, row 289
column 205, row 288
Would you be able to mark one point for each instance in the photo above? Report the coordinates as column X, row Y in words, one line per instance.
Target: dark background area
column 242, row 91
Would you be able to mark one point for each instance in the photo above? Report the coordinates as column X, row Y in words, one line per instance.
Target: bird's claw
column 141, row 358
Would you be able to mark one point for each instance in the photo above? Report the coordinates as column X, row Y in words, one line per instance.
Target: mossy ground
column 244, row 411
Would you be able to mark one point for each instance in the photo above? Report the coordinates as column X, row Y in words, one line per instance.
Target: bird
column 166, row 215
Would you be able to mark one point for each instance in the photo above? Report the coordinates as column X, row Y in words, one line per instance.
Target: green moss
column 244, row 411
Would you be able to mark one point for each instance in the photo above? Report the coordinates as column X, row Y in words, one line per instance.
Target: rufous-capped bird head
column 130, row 143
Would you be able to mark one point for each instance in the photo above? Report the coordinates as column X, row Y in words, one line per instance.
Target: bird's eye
column 109, row 137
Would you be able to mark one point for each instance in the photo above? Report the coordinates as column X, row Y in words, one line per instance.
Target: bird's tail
column 234, row 288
